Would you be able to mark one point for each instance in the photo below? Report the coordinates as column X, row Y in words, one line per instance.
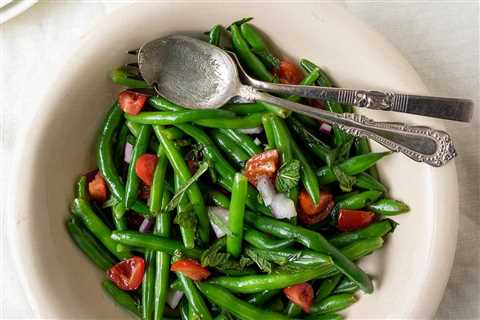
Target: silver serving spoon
column 195, row 74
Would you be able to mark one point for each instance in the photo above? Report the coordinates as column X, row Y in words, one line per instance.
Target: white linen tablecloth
column 440, row 39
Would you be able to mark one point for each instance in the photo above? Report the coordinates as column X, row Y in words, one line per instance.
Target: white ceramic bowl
column 410, row 272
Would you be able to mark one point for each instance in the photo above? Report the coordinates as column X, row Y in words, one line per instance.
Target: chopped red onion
column 257, row 130
column 174, row 297
column 218, row 217
column 134, row 220
column 283, row 207
column 325, row 128
column 127, row 155
column 266, row 189
column 257, row 141
column 90, row 175
column 146, row 225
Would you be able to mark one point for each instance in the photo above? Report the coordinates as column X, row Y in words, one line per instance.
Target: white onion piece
column 283, row 207
column 257, row 141
column 174, row 297
column 266, row 189
column 218, row 217
column 325, row 128
column 257, row 130
column 127, row 154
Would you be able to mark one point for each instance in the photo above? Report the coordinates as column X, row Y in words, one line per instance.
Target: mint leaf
column 346, row 181
column 178, row 195
column 259, row 260
column 186, row 219
column 288, row 176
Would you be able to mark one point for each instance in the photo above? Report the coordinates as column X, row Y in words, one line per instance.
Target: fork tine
column 133, row 52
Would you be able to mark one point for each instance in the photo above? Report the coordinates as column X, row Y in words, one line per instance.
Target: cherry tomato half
column 191, row 269
column 263, row 164
column 300, row 294
column 350, row 220
column 145, row 167
column 97, row 188
column 131, row 102
column 127, row 274
column 311, row 214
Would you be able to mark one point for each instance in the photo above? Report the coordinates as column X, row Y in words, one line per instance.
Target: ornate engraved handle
column 436, row 107
column 422, row 144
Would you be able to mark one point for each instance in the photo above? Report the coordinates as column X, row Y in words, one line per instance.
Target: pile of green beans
column 259, row 255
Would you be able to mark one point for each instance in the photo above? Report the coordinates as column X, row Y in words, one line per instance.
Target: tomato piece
column 131, row 102
column 263, row 164
column 191, row 269
column 97, row 188
column 145, row 167
column 289, row 73
column 311, row 214
column 127, row 274
column 350, row 220
column 300, row 294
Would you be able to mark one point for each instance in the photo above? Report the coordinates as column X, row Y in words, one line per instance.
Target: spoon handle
column 422, row 144
column 435, row 107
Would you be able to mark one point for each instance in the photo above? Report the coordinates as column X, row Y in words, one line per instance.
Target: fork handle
column 422, row 144
column 435, row 107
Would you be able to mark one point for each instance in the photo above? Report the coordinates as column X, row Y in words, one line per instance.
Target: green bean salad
column 245, row 212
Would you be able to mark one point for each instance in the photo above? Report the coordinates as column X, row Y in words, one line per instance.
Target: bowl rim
column 433, row 285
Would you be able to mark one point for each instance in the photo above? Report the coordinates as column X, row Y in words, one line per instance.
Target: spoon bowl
column 189, row 72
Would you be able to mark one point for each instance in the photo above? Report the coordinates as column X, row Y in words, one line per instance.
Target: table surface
column 441, row 41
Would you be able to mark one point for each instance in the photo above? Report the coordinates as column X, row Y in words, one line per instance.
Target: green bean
column 333, row 303
column 141, row 208
column 309, row 80
column 388, row 207
column 259, row 282
column 377, row 229
column 363, row 147
column 119, row 220
column 173, row 133
column 119, row 151
column 332, row 106
column 307, row 174
column 158, row 183
column 184, row 309
column 366, row 181
column 239, row 308
column 247, row 57
column 133, row 127
column 174, row 117
column 259, row 47
column 235, row 215
column 314, row 241
column 194, row 193
column 344, row 196
column 244, row 108
column 326, row 287
column 90, row 246
column 148, row 241
column 148, row 285
column 315, row 145
column 293, row 310
column 188, row 234
column 122, row 298
column 352, row 166
column 81, row 188
column 346, row 286
column 221, row 165
column 360, row 200
column 243, row 140
column 82, row 209
column 133, row 182
column 260, row 298
column 219, row 199
column 249, row 121
column 262, row 241
column 323, row 80
column 282, row 139
column 194, row 297
column 306, row 121
column 162, row 260
column 105, row 162
column 214, row 35
column 230, row 148
column 122, row 77
column 267, row 122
